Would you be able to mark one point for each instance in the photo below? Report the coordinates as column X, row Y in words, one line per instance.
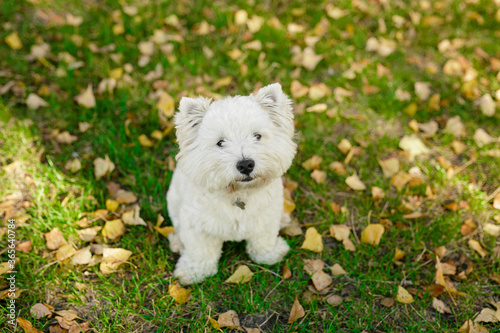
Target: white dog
column 227, row 185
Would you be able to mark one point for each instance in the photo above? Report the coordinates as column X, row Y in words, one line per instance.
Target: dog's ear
column 272, row 99
column 189, row 117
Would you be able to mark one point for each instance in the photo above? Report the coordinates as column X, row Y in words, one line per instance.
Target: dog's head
column 236, row 143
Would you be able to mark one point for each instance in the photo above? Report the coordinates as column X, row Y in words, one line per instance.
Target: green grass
column 135, row 298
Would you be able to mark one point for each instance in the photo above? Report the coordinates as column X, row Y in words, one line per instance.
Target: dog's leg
column 199, row 257
column 267, row 248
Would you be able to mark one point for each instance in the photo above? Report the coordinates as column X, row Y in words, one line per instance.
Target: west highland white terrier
column 227, row 185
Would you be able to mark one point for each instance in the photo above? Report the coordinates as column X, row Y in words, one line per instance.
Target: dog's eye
column 257, row 136
column 220, row 143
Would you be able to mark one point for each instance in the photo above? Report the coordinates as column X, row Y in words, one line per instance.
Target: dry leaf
column 298, row 90
column 286, row 273
column 65, row 252
column 487, row 105
column 313, row 240
column 491, row 229
column 39, row 311
column 338, row 168
column 311, row 266
column 482, row 138
column 65, row 138
column 496, row 201
column 166, row 105
column 319, row 176
column 476, row 246
column 73, row 165
column 88, row 234
column 387, row 302
column 389, row 166
column 349, row 245
column 243, row 274
column 440, row 306
column 321, row 280
column 334, row 300
column 145, row 141
column 318, row 108
column 112, row 205
column 404, row 296
column 377, row 193
column 86, row 98
column 164, row 231
column 54, row 239
column 340, row 232
column 180, row 295
column 113, row 229
column 310, row 59
column 27, row 326
column 103, row 166
column 296, row 312
column 413, row 145
column 336, row 270
column 372, row 234
column 398, row 255
column 312, row 163
column 132, row 217
column 344, row 146
column 125, row 197
column 34, row 102
column 82, row 256
column 113, row 258
column 355, row 183
column 455, row 127
column 228, row 319
column 400, row 179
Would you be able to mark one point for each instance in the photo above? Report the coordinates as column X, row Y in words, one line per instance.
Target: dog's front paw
column 270, row 255
column 189, row 272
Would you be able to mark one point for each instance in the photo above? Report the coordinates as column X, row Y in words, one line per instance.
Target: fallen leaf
column 27, row 326
column 389, row 166
column 39, row 311
column 113, row 229
column 318, row 108
column 487, row 105
column 310, row 59
column 73, row 165
column 487, row 315
column 334, row 300
column 312, row 163
column 228, row 319
column 313, row 240
column 413, row 145
column 311, row 266
column 404, row 296
column 372, row 234
column 65, row 138
column 349, row 245
column 145, row 141
column 398, row 255
column 476, row 246
column 65, row 252
column 298, row 90
column 164, row 231
column 491, row 229
column 318, row 176
column 286, row 273
column 338, row 168
column 34, row 102
column 455, row 127
column 336, row 270
column 180, row 295
column 482, row 138
column 166, row 105
column 400, row 179
column 88, row 234
column 54, row 239
column 496, row 201
column 82, row 256
column 25, row 246
column 321, row 280
column 377, row 193
column 112, row 258
column 440, row 306
column 132, row 217
column 103, row 167
column 296, row 312
column 112, row 205
column 344, row 146
column 243, row 274
column 125, row 197
column 355, row 183
column 340, row 232
column 86, row 98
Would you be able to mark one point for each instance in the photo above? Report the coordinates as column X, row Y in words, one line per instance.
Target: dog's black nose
column 245, row 166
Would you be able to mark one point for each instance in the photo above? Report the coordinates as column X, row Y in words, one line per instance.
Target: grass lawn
column 376, row 73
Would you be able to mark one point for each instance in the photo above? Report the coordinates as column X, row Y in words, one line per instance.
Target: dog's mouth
column 246, row 180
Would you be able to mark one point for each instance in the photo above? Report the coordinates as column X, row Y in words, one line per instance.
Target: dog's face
column 238, row 142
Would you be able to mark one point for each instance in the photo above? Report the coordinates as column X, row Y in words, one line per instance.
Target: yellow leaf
column 318, row 108
column 288, row 206
column 318, row 176
column 337, row 270
column 496, row 201
column 389, row 166
column 145, row 141
column 476, row 246
column 27, row 326
column 243, row 274
column 321, row 280
column 113, row 258
column 223, row 82
column 313, row 240
column 165, row 231
column 82, row 257
column 214, row 323
column 340, row 231
column 103, row 166
column 112, row 205
column 400, row 179
column 65, row 252
column 116, row 73
column 180, row 295
column 166, row 105
column 312, row 163
column 34, row 102
column 54, row 239
column 398, row 254
column 404, row 296
column 344, row 146
column 113, row 229
column 132, row 217
column 298, row 90
column 296, row 312
column 355, row 183
column 86, row 98
column 118, row 29
column 372, row 234
column 13, row 41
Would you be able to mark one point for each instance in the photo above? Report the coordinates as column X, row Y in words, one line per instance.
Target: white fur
column 206, row 183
